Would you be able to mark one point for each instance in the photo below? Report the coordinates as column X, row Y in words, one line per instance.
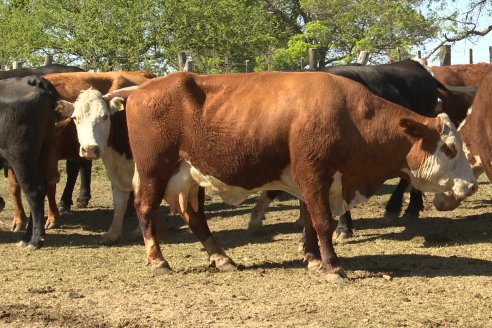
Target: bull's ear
column 64, row 108
column 413, row 128
column 117, row 104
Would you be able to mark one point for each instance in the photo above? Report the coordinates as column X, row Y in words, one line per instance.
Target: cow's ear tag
column 121, row 107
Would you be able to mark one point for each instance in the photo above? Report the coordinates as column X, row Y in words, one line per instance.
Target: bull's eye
column 104, row 117
column 449, row 150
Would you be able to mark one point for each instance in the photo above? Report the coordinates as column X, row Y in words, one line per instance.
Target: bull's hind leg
column 19, row 221
column 318, row 208
column 198, row 224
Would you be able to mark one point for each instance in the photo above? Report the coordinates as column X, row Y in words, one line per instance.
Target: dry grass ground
column 435, row 272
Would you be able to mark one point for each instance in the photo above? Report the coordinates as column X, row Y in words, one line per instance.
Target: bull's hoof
column 81, row 203
column 336, row 275
column 314, row 265
column 159, row 266
column 222, row 263
column 255, row 223
column 340, row 235
column 31, row 247
column 162, row 271
column 391, row 216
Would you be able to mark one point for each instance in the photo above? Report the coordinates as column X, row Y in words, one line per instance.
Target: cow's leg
column 72, row 167
column 258, row 212
column 19, row 221
column 149, row 193
column 318, row 208
column 34, row 187
column 393, row 208
column 120, row 200
column 53, row 214
column 344, row 227
column 85, row 184
column 415, row 206
column 198, row 224
column 309, row 240
column 2, row 204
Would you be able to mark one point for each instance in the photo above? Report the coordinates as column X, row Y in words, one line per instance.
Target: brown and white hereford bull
column 476, row 134
column 325, row 139
column 69, row 87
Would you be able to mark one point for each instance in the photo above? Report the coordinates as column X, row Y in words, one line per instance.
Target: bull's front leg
column 19, row 221
column 120, row 200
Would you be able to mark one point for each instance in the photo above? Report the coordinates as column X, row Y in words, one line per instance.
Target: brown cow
column 69, row 86
column 476, row 133
column 325, row 139
column 466, row 75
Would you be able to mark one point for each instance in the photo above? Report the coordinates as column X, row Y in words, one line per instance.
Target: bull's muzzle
column 90, row 152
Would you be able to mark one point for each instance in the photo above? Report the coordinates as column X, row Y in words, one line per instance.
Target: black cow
column 27, row 129
column 406, row 83
column 73, row 166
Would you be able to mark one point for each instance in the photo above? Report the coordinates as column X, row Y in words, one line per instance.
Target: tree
column 339, row 29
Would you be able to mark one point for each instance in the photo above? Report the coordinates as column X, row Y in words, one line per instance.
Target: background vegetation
column 222, row 34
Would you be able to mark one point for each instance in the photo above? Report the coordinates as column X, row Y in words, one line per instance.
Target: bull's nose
column 90, row 152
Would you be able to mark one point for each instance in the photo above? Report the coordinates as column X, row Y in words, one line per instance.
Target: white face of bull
column 91, row 114
column 447, row 169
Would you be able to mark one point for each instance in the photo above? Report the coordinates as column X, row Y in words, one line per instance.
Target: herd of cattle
column 329, row 138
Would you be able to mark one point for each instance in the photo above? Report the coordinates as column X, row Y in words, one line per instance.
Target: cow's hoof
column 255, row 223
column 63, row 208
column 314, row 265
column 50, row 225
column 31, row 247
column 17, row 227
column 340, row 235
column 81, row 203
column 22, row 243
column 411, row 217
column 161, row 271
column 391, row 216
column 108, row 240
column 222, row 263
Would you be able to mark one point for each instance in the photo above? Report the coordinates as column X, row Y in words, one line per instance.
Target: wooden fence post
column 490, row 54
column 445, row 56
column 313, row 65
column 270, row 60
column 246, row 62
column 419, row 54
column 470, row 51
column 363, row 57
column 181, row 60
column 17, row 64
column 48, row 60
column 302, row 63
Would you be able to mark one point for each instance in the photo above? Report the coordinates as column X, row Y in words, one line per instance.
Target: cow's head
column 91, row 113
column 447, row 201
column 436, row 161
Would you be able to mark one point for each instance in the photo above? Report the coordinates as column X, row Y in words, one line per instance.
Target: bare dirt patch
column 435, row 272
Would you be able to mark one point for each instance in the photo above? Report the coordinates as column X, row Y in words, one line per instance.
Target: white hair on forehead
column 89, row 94
column 449, row 135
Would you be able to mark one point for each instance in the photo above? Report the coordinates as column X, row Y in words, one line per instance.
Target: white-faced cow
column 322, row 138
column 476, row 134
column 27, row 127
column 68, row 87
